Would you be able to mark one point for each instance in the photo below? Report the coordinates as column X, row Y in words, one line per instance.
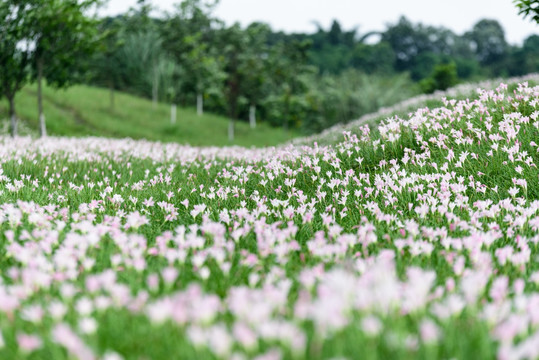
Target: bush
column 443, row 76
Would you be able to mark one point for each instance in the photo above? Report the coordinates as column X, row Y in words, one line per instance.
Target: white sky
column 299, row 15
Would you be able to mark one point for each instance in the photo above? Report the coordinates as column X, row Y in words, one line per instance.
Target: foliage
column 443, row 76
column 525, row 58
column 63, row 36
column 14, row 54
column 190, row 55
column 416, row 240
column 255, row 64
column 528, row 8
column 378, row 58
column 107, row 68
column 282, row 74
column 189, row 39
column 488, row 39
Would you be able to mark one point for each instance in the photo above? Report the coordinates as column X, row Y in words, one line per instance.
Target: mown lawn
column 85, row 111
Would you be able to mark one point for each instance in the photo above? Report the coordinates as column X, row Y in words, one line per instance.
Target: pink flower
column 244, row 335
column 429, row 331
column 63, row 335
column 197, row 209
column 28, row 343
column 169, row 275
column 135, row 220
column 371, row 325
column 152, row 281
column 149, row 202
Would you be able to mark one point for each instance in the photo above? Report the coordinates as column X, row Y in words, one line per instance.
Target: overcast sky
column 299, row 15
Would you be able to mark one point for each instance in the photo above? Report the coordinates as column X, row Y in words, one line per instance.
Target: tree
column 189, row 39
column 530, row 48
column 138, row 18
column 407, row 41
column 379, row 58
column 145, row 39
column 331, row 50
column 204, row 69
column 443, row 76
column 107, row 69
column 419, row 48
column 525, row 59
column 14, row 54
column 288, row 64
column 253, row 68
column 235, row 46
column 528, row 8
column 423, row 64
column 488, row 39
column 62, row 35
column 169, row 74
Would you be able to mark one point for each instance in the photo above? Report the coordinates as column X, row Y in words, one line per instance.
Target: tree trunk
column 155, row 86
column 13, row 117
column 286, row 112
column 231, row 130
column 200, row 105
column 42, row 127
column 252, row 116
column 111, row 93
column 173, row 114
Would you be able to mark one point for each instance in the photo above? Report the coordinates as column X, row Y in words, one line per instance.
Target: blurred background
column 243, row 72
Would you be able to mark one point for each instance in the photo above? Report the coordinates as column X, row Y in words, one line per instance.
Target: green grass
column 68, row 179
column 85, row 111
column 135, row 337
column 333, row 134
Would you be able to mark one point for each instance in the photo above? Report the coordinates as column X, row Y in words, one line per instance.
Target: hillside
column 416, row 240
column 333, row 134
column 85, row 111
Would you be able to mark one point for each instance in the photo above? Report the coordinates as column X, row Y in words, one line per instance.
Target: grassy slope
column 83, row 111
column 333, row 135
column 465, row 335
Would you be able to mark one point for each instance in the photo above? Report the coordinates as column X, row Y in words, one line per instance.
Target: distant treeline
column 190, row 57
column 294, row 80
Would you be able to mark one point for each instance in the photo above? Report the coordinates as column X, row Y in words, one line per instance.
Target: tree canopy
column 528, row 8
column 189, row 56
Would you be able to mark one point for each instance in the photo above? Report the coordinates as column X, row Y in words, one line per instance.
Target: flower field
column 417, row 240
